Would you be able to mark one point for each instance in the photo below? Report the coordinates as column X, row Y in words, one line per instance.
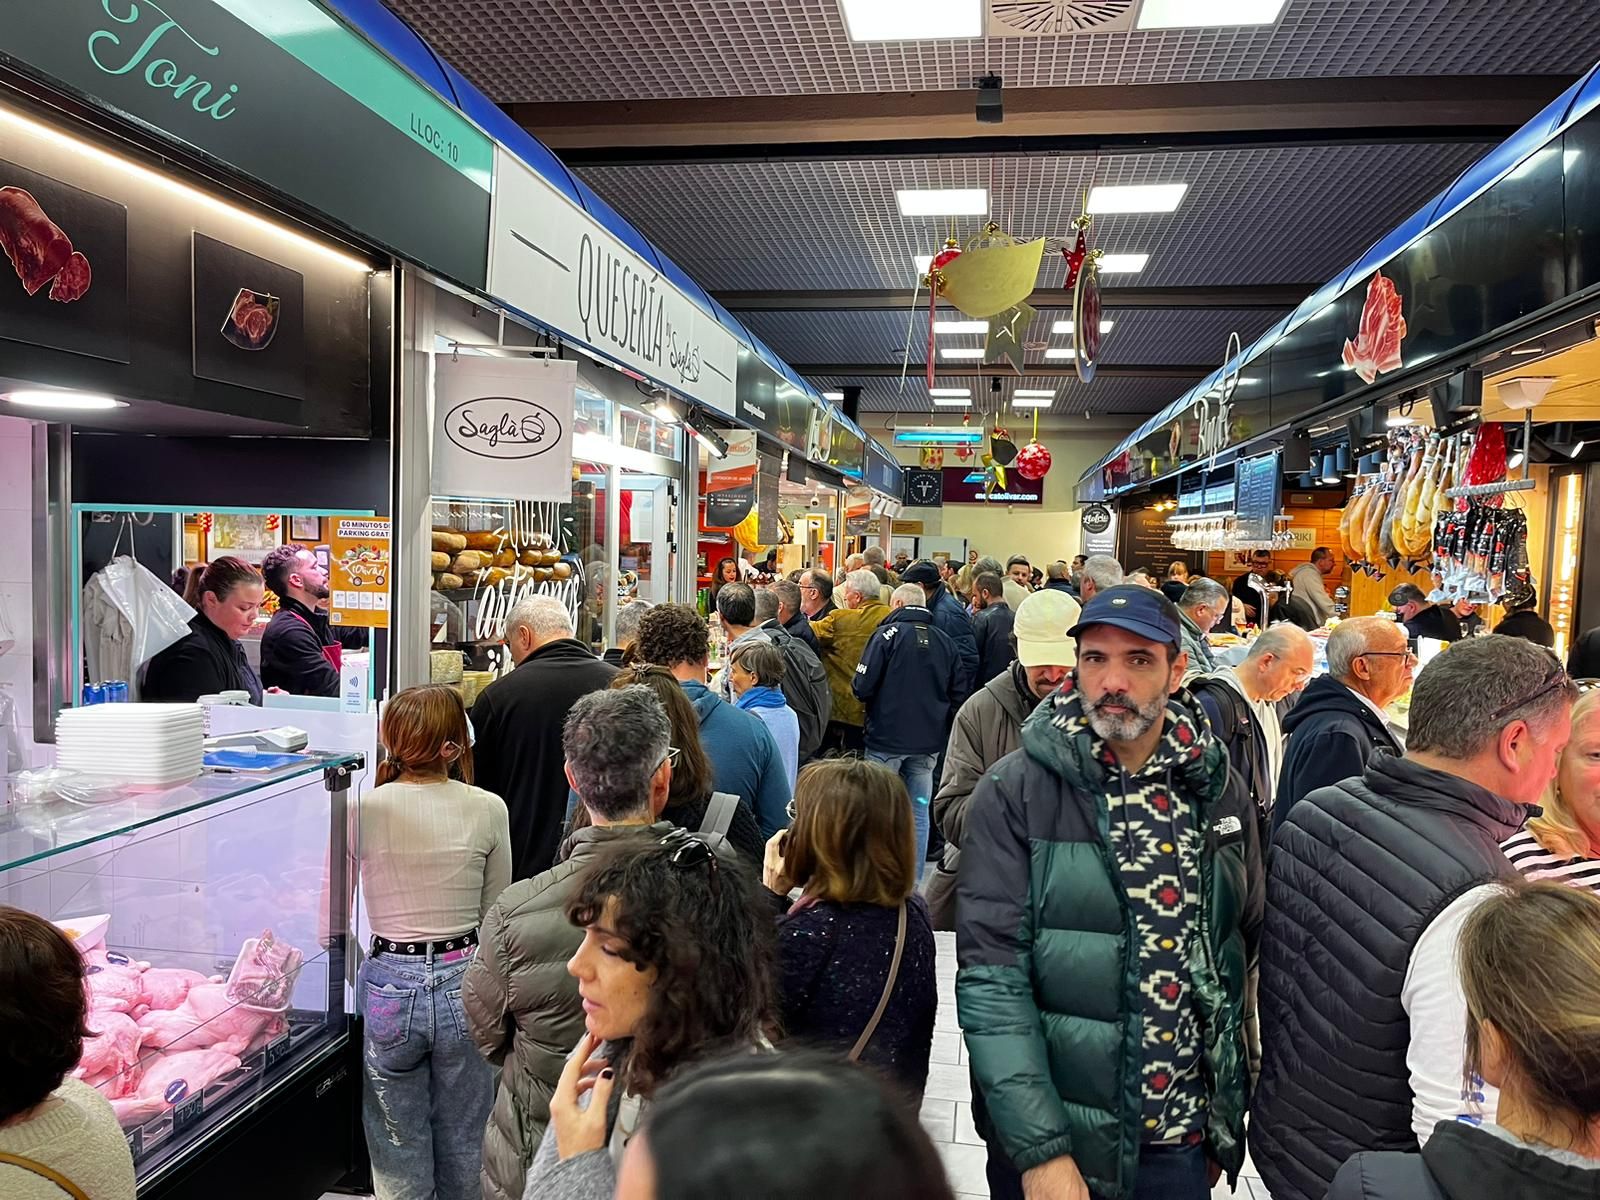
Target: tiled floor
column 947, row 1103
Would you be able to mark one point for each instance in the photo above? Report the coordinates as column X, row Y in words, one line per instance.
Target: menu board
column 1258, row 496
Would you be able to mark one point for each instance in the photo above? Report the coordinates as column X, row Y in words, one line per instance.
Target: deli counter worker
column 299, row 652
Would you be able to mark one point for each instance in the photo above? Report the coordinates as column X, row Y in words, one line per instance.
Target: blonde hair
column 1557, row 829
column 852, row 841
column 1529, row 959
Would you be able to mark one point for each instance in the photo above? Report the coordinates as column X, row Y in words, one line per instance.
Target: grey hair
column 1204, row 591
column 767, row 603
column 910, row 594
column 987, row 565
column 628, row 618
column 614, row 741
column 864, row 584
column 1277, row 640
column 786, row 593
column 761, row 658
column 1457, row 696
column 854, row 563
column 1057, row 570
column 874, row 556
column 542, row 616
column 1104, row 570
column 1351, row 639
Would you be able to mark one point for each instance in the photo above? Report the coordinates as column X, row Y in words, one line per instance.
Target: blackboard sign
column 1146, row 541
column 1258, row 496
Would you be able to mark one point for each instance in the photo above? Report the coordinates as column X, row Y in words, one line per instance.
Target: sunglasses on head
column 1555, row 681
column 689, row 852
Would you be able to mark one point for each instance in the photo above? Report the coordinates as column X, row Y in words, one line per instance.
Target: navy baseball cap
column 1140, row 610
column 923, row 572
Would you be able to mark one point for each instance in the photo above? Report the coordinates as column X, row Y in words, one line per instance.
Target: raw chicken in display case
column 214, row 921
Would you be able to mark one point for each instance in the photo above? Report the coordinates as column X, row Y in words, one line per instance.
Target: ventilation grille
column 1059, row 18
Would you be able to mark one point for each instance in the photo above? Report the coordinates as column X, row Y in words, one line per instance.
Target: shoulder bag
column 45, row 1173
column 888, row 987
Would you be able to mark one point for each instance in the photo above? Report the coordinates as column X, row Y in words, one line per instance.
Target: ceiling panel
column 1120, row 397
column 1146, row 336
column 1264, row 215
column 564, row 50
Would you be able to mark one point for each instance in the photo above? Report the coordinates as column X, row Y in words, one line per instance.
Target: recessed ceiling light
column 1400, row 421
column 1036, row 393
column 1122, row 264
column 923, row 261
column 943, row 202
column 961, row 327
column 833, row 395
column 1066, row 326
column 961, row 352
column 1032, row 402
column 911, row 20
column 949, row 391
column 64, row 401
column 1136, row 198
column 951, row 402
column 1061, row 352
column 1197, row 14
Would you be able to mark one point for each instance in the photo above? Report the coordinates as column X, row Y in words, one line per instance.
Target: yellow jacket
column 842, row 636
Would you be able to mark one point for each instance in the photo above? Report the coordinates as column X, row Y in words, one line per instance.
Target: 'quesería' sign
column 503, row 427
column 553, row 261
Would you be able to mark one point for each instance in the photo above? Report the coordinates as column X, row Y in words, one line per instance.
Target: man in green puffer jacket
column 1109, row 905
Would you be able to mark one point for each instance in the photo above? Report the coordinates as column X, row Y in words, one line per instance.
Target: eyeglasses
column 1555, row 681
column 808, row 587
column 671, row 756
column 1408, row 655
column 789, row 810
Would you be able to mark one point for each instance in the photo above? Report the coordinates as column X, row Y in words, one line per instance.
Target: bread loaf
column 447, row 581
column 449, row 543
column 484, row 539
column 441, row 561
column 562, row 570
column 468, row 560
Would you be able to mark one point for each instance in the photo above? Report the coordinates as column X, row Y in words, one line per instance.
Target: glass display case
column 214, row 922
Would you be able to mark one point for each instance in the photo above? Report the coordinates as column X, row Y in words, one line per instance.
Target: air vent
column 1059, row 18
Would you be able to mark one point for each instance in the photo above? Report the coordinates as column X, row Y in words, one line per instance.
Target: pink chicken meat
column 208, row 1018
column 170, row 1079
column 110, row 1056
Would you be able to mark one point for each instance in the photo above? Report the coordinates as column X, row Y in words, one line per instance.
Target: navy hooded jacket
column 907, row 679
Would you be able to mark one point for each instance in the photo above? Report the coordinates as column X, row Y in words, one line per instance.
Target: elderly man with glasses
column 1363, row 1018
column 1339, row 723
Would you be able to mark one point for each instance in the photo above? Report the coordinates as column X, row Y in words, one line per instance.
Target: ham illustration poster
column 249, row 320
column 1376, row 348
column 64, row 283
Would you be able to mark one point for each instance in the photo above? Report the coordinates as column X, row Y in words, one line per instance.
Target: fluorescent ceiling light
column 833, row 395
column 923, row 261
column 1066, row 326
column 938, row 437
column 949, row 391
column 1122, row 264
column 63, row 401
column 961, row 327
column 1037, row 402
column 943, row 202
column 911, row 20
column 1137, row 198
column 1399, row 421
column 1036, row 393
column 944, row 402
column 1061, row 352
column 961, row 352
column 1199, row 14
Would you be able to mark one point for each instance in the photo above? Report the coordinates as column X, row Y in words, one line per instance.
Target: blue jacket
column 744, row 758
column 907, row 678
column 950, row 617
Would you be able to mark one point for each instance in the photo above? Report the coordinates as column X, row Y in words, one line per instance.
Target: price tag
column 188, row 1112
column 277, row 1049
column 136, row 1143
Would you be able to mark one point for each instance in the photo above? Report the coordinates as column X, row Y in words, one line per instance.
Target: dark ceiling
column 761, row 148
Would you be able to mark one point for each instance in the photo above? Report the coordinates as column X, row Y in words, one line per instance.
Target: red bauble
column 950, row 252
column 1033, row 461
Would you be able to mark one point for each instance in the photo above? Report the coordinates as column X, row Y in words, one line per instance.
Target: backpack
column 719, row 814
column 805, row 687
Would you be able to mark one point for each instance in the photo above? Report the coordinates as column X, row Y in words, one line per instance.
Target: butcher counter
column 214, row 922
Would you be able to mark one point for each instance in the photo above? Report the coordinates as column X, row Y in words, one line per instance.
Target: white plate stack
column 144, row 745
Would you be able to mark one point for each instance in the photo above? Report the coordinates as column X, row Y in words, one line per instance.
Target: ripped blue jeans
column 426, row 1092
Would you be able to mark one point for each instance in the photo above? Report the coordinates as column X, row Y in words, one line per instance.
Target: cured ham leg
column 37, row 248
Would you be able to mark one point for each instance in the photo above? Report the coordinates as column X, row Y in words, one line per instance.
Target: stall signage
column 769, row 402
column 1096, row 519
column 731, row 481
column 883, row 473
column 847, row 448
column 360, row 576
column 554, row 262
column 924, row 488
column 290, row 96
column 502, row 427
column 1258, row 495
column 964, row 485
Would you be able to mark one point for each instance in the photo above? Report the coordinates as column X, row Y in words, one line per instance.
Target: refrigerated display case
column 214, row 921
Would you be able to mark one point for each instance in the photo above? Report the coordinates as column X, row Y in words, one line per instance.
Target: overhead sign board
column 553, row 261
column 964, row 485
column 289, row 96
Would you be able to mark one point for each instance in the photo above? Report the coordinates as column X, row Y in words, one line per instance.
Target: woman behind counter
column 226, row 596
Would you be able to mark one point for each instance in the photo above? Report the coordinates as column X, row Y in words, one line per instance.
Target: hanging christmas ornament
column 932, row 457
column 991, row 280
column 964, row 450
column 994, row 476
column 1001, row 447
column 1033, row 462
column 934, row 282
column 1083, row 281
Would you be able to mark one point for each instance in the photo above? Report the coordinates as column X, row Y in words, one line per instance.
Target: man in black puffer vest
column 1363, row 1021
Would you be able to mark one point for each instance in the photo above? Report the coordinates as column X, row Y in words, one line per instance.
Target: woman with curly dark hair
column 675, row 966
column 54, row 1130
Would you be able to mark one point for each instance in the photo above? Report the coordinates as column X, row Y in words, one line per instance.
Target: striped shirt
column 1534, row 861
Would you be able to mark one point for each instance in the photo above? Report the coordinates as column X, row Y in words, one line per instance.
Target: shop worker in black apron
column 298, row 652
